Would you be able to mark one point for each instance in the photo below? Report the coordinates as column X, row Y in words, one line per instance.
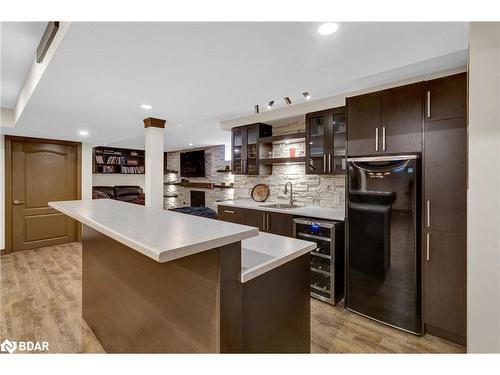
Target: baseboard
column 453, row 337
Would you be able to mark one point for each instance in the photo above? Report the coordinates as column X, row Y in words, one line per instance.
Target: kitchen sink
column 279, row 205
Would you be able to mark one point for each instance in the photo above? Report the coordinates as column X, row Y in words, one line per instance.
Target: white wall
column 86, row 170
column 483, row 200
column 2, row 193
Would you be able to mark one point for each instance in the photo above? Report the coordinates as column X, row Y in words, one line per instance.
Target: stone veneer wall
column 325, row 191
column 214, row 160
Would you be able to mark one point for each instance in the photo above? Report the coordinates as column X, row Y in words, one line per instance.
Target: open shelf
column 112, row 160
column 292, row 138
column 271, row 161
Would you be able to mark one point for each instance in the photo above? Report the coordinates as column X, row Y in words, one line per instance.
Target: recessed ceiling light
column 190, row 144
column 146, row 106
column 306, row 95
column 287, row 142
column 270, row 104
column 328, row 28
column 179, row 126
column 83, row 133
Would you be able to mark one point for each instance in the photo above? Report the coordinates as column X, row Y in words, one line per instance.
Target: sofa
column 124, row 193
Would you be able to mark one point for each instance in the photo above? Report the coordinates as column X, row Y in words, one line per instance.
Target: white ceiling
column 18, row 49
column 197, row 74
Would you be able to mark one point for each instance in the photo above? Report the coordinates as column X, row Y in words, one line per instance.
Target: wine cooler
column 327, row 261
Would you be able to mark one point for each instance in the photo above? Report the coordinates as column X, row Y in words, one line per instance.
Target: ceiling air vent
column 46, row 41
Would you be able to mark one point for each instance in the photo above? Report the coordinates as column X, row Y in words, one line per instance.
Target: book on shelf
column 133, row 170
column 109, row 160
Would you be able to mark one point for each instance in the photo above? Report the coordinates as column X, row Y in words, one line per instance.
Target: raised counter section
column 266, row 252
column 305, row 211
column 158, row 234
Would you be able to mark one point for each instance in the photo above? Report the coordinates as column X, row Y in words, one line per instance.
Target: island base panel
column 134, row 304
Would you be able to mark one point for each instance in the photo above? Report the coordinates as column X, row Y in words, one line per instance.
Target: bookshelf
column 112, row 160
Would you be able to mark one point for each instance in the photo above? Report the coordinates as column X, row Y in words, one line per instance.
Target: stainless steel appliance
column 327, row 261
column 383, row 240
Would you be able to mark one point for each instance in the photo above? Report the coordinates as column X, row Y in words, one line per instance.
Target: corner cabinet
column 246, row 149
column 326, row 142
column 385, row 122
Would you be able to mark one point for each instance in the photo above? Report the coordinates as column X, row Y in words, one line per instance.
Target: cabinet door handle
column 428, row 209
column 383, row 138
column 330, row 163
column 428, row 104
column 229, row 212
column 268, row 226
column 428, row 252
column 324, row 163
column 263, row 221
column 376, row 139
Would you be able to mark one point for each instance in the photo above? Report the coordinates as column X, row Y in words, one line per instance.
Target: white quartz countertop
column 306, row 211
column 267, row 251
column 159, row 234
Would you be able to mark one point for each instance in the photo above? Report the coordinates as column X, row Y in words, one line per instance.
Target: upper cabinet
column 245, row 148
column 326, row 141
column 385, row 122
column 446, row 98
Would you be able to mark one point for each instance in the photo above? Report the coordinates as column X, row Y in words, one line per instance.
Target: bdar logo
column 8, row 346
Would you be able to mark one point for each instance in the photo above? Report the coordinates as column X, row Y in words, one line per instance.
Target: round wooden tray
column 259, row 192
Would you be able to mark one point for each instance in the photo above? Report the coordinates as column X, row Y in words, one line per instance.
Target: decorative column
column 154, row 161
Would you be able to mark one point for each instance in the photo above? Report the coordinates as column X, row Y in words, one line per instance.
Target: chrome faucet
column 291, row 192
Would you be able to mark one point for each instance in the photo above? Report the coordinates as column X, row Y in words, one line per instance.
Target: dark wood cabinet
column 445, row 174
column 326, row 142
column 246, row 149
column 270, row 222
column 232, row 214
column 401, row 119
column 385, row 122
column 445, row 303
column 446, row 97
column 363, row 118
column 281, row 224
column 445, row 208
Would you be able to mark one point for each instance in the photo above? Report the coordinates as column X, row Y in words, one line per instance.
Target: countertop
column 267, row 251
column 159, row 234
column 306, row 211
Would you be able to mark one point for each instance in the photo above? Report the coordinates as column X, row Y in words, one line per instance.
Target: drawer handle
column 229, row 212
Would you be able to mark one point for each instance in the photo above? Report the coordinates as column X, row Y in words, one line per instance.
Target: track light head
column 287, row 100
column 306, row 95
column 270, row 104
column 256, row 108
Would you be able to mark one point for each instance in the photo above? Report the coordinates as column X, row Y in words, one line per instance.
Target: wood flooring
column 40, row 300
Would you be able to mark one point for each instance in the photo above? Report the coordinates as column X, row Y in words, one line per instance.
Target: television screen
column 193, row 164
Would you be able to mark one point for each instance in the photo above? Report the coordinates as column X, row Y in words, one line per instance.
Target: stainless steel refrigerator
column 383, row 240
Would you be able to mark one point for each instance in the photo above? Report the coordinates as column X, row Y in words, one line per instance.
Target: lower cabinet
column 232, row 214
column 445, row 301
column 271, row 222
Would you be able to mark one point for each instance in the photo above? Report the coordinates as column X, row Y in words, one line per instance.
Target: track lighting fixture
column 256, row 108
column 270, row 104
column 287, row 100
column 306, row 95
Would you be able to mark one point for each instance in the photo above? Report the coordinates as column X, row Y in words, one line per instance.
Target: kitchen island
column 155, row 281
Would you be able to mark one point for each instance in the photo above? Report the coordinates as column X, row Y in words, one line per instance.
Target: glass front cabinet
column 246, row 147
column 326, row 142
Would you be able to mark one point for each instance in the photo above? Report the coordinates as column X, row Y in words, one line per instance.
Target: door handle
column 17, row 202
column 428, row 104
column 428, row 252
column 383, row 138
column 376, row 139
column 330, row 163
column 324, row 163
column 428, row 209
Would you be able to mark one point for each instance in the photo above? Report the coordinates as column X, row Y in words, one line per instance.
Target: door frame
column 8, row 181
